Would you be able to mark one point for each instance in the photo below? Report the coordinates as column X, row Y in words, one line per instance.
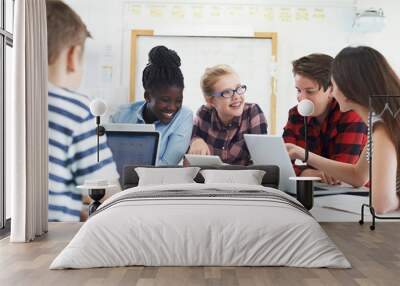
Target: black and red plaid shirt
column 341, row 137
column 228, row 141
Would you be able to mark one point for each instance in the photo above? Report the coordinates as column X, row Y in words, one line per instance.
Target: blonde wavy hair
column 212, row 75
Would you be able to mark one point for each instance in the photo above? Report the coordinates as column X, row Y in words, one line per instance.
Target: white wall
column 198, row 53
column 388, row 40
column 303, row 27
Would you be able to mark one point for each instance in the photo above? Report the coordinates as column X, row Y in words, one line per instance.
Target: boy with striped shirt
column 72, row 129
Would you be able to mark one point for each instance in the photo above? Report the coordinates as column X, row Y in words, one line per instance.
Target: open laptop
column 271, row 150
column 131, row 145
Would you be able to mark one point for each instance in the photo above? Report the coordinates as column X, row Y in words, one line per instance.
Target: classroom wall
column 388, row 40
column 198, row 53
column 303, row 27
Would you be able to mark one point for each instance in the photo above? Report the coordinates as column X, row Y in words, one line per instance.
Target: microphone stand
column 304, row 185
column 97, row 109
column 100, row 131
column 305, row 140
column 97, row 194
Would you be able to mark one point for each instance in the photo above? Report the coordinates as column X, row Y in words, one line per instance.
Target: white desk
column 330, row 215
column 342, row 208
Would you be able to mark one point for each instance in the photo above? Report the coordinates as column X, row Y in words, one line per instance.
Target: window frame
column 6, row 39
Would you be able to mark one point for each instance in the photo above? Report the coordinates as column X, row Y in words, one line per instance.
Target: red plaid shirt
column 227, row 141
column 340, row 137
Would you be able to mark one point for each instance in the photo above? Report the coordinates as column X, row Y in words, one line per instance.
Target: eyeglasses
column 229, row 93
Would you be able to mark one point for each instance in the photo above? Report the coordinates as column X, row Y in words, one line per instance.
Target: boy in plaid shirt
column 220, row 125
column 331, row 133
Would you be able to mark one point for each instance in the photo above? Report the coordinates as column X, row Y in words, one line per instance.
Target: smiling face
column 227, row 108
column 309, row 89
column 165, row 103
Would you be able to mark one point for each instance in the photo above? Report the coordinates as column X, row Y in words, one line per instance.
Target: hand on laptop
column 295, row 152
column 317, row 173
column 199, row 147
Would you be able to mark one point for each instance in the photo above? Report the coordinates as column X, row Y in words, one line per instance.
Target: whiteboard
column 249, row 57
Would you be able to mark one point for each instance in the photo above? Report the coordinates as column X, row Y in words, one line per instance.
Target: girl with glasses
column 220, row 124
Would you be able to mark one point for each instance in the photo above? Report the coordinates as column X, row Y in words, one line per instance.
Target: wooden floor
column 374, row 255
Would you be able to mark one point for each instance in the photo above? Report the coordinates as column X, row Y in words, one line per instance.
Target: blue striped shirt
column 73, row 153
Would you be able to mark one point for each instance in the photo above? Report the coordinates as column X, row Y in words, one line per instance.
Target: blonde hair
column 211, row 77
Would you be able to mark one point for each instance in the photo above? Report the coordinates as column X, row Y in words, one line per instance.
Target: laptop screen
column 133, row 148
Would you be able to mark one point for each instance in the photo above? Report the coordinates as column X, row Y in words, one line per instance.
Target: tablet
column 204, row 160
column 129, row 127
column 131, row 147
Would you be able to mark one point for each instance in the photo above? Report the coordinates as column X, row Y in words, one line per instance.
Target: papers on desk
column 346, row 203
column 321, row 189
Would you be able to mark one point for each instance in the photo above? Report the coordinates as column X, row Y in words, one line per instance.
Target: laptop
column 130, row 146
column 271, row 150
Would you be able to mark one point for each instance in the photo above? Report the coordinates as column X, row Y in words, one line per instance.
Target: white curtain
column 26, row 117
